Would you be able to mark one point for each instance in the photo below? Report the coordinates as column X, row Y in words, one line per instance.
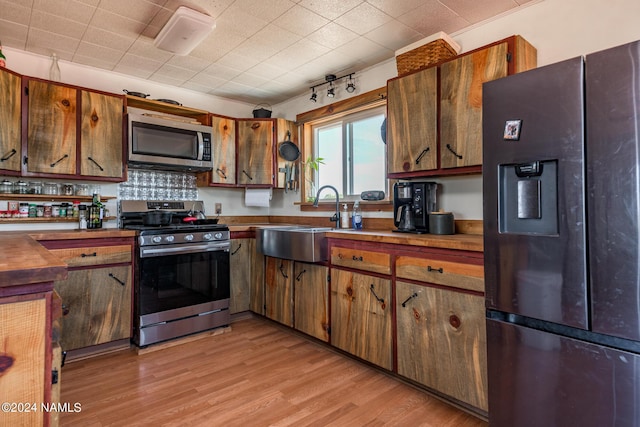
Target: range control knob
column 169, row 238
column 218, row 235
column 207, row 236
column 156, row 239
column 188, row 237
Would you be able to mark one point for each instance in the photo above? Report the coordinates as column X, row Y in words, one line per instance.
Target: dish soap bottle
column 357, row 216
column 344, row 217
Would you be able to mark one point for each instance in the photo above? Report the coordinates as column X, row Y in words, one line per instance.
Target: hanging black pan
column 288, row 150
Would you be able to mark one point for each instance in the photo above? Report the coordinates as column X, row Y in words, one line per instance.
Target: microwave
column 170, row 143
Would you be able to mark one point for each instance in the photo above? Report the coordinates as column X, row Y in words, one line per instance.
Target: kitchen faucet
column 336, row 216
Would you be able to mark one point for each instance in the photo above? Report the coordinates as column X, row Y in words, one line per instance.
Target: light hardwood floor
column 258, row 374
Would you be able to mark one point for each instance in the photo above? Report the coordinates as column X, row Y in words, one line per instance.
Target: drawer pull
column 373, row 291
column 300, row 275
column 53, row 165
column 355, row 258
column 439, row 270
column 65, row 309
column 86, row 255
column 282, row 271
column 116, row 279
column 415, row 294
column 236, row 251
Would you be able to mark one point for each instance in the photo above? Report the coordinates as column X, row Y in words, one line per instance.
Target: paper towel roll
column 257, row 197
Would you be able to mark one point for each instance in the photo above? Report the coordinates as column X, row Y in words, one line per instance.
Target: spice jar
column 35, row 187
column 40, row 211
column 32, row 210
column 48, row 210
column 82, row 190
column 23, row 210
column 20, row 187
column 6, row 187
column 76, row 209
column 55, row 211
column 67, row 189
column 50, row 188
column 63, row 210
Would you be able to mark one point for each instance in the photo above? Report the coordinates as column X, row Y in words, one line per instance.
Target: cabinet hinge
column 328, row 278
column 26, row 90
column 25, row 160
column 508, row 56
column 54, row 376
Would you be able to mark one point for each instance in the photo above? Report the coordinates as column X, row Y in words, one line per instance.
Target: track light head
column 314, row 95
column 331, row 91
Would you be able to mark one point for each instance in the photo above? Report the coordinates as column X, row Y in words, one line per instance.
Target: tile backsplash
column 158, row 185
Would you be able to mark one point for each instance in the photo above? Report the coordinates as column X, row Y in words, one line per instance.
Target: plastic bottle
column 344, row 217
column 357, row 216
column 54, row 71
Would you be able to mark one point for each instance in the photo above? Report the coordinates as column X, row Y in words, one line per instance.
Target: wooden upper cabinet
column 255, row 151
column 224, row 150
column 10, row 131
column 430, row 135
column 101, row 148
column 461, row 104
column 412, row 122
column 51, row 132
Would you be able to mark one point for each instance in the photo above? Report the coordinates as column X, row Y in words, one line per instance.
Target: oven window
column 176, row 281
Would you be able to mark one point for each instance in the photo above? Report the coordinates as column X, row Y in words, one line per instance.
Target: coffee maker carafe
column 412, row 202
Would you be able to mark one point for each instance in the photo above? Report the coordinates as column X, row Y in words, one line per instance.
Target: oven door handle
column 184, row 249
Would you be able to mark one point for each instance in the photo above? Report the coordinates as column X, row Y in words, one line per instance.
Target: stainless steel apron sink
column 295, row 242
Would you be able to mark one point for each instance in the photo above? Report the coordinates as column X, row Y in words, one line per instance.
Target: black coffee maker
column 412, row 202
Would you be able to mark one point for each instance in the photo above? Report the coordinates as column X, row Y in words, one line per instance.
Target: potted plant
column 311, row 166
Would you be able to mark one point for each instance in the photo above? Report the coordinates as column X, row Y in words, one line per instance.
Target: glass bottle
column 54, row 71
column 357, row 216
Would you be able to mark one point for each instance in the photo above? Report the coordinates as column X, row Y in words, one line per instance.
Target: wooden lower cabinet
column 256, row 302
column 278, row 290
column 311, row 294
column 23, row 358
column 441, row 341
column 98, row 306
column 241, row 263
column 361, row 316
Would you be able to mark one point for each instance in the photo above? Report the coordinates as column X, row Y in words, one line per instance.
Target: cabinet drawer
column 78, row 257
column 376, row 262
column 449, row 273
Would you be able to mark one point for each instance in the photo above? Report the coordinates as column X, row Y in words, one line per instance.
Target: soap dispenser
column 344, row 217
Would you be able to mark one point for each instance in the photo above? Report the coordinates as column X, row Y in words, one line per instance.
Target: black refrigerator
column 561, row 184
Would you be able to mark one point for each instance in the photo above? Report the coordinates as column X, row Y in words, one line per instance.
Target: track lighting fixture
column 331, row 91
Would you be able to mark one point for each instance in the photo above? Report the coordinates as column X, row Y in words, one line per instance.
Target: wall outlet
column 218, row 208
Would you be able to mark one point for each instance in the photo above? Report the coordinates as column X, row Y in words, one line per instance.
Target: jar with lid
column 20, row 187
column 55, row 211
column 82, row 190
column 23, row 210
column 48, row 210
column 50, row 188
column 40, row 211
column 32, row 212
column 76, row 209
column 82, row 211
column 6, row 187
column 67, row 189
column 35, row 187
column 70, row 210
column 63, row 210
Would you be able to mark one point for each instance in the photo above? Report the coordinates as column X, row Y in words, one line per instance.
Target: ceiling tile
column 396, row 8
column 167, row 80
column 363, row 18
column 332, row 35
column 189, row 62
column 145, row 65
column 144, row 48
column 367, row 50
column 236, row 61
column 70, row 9
column 102, row 37
column 263, row 9
column 240, row 22
column 268, row 71
column 104, row 62
column 479, row 11
column 57, row 24
column 330, row 9
column 13, row 35
column 300, row 21
column 297, row 54
column 250, row 79
column 221, row 71
column 433, row 17
column 46, row 43
column 139, row 10
column 216, row 45
column 102, row 53
column 15, row 12
column 116, row 23
column 177, row 73
column 207, row 81
column 394, row 35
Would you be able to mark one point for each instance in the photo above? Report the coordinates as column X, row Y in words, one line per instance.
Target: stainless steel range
column 181, row 282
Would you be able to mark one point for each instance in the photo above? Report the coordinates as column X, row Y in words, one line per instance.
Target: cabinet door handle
column 355, row 258
column 300, row 275
column 453, row 151
column 221, row 173
column 58, row 161
column 65, row 309
column 248, row 176
column 439, row 270
column 116, row 279
column 236, row 251
column 425, row 151
column 282, row 271
column 373, row 291
column 96, row 163
column 86, row 255
column 8, row 155
column 414, row 295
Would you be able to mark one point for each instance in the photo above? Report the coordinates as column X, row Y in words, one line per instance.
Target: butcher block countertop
column 26, row 262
